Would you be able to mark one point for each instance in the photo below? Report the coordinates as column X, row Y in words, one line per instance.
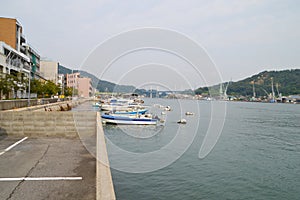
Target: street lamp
column 28, row 103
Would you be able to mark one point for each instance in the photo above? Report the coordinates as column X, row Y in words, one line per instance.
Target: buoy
column 189, row 113
column 167, row 108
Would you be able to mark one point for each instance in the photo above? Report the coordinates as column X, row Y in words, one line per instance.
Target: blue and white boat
column 121, row 105
column 130, row 119
column 131, row 112
column 97, row 104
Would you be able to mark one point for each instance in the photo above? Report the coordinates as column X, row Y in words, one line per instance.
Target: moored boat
column 131, row 112
column 121, row 105
column 189, row 113
column 182, row 121
column 97, row 104
column 130, row 120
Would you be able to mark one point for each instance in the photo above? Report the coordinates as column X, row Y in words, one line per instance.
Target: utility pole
column 28, row 103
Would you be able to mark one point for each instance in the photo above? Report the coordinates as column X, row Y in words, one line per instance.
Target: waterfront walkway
column 46, row 168
column 52, row 155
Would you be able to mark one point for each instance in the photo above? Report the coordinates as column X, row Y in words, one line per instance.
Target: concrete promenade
column 56, row 106
column 46, row 159
column 52, row 155
column 20, row 103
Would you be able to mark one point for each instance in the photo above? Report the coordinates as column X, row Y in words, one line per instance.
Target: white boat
column 168, row 108
column 121, row 105
column 131, row 112
column 189, row 113
column 97, row 104
column 130, row 120
column 182, row 121
column 114, row 107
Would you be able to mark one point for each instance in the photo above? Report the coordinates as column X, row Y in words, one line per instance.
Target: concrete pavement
column 42, row 158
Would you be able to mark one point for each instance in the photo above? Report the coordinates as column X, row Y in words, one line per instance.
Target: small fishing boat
column 182, row 121
column 189, row 113
column 168, row 108
column 97, row 104
column 119, row 107
column 130, row 120
column 131, row 112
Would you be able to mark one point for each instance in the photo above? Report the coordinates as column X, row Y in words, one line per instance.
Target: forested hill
column 101, row 85
column 286, row 82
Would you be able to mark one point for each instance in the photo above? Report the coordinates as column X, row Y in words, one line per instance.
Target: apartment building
column 11, row 33
column 82, row 84
column 49, row 70
column 16, row 55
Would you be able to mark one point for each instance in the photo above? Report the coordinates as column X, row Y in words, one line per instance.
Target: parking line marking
column 42, row 179
column 13, row 145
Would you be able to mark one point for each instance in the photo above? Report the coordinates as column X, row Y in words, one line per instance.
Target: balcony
column 22, row 37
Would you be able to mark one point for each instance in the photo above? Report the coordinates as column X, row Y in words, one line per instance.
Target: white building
column 49, row 70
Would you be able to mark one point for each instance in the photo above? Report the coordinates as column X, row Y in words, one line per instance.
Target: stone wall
column 11, row 104
column 20, row 103
column 62, row 124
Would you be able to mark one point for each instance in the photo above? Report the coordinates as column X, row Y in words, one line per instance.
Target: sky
column 240, row 37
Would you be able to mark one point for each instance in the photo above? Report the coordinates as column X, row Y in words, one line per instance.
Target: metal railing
column 21, row 103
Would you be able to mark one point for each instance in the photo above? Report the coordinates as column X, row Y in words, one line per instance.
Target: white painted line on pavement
column 13, row 145
column 42, row 179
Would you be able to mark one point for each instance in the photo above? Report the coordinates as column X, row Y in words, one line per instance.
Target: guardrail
column 21, row 103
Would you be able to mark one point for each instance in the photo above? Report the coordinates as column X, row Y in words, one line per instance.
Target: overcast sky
column 242, row 37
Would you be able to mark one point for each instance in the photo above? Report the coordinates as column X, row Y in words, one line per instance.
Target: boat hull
column 128, row 121
column 131, row 112
column 120, row 107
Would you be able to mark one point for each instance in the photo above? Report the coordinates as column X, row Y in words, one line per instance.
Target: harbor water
column 256, row 157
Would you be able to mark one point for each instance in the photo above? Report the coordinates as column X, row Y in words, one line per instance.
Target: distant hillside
column 64, row 70
column 286, row 82
column 101, row 85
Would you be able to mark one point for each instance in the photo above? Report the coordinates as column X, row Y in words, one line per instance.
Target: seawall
column 57, row 106
column 20, row 103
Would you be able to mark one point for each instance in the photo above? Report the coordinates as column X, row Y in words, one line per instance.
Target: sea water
column 257, row 155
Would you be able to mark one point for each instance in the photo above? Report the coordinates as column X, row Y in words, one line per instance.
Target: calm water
column 256, row 157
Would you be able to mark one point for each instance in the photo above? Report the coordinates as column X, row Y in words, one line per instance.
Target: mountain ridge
column 286, row 82
column 100, row 85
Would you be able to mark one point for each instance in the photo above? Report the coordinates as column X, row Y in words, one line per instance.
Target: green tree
column 68, row 91
column 17, row 82
column 50, row 88
column 36, row 86
column 44, row 89
column 5, row 86
column 11, row 82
